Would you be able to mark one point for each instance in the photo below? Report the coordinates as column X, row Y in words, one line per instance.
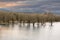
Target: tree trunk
column 38, row 24
column 33, row 25
column 51, row 23
column 20, row 23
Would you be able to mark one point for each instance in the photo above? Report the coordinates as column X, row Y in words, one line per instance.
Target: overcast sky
column 31, row 5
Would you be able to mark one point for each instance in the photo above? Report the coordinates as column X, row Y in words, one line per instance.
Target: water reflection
column 15, row 32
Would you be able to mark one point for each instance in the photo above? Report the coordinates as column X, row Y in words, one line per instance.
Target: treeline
column 11, row 17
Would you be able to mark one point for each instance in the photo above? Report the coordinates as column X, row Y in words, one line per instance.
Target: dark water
column 15, row 32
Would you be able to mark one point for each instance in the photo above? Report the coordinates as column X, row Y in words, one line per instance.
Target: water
column 24, row 33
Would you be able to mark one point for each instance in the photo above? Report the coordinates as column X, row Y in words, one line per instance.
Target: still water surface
column 24, row 33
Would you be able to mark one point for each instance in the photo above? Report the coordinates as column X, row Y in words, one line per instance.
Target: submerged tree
column 51, row 18
column 7, row 17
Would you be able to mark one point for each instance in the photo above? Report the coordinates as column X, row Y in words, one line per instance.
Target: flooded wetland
column 17, row 32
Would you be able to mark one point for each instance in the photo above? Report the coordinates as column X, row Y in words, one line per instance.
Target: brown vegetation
column 11, row 17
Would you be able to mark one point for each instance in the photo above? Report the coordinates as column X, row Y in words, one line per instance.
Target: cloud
column 11, row 4
column 30, row 5
column 11, row 0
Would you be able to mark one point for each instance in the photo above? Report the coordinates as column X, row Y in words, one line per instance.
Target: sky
column 31, row 5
